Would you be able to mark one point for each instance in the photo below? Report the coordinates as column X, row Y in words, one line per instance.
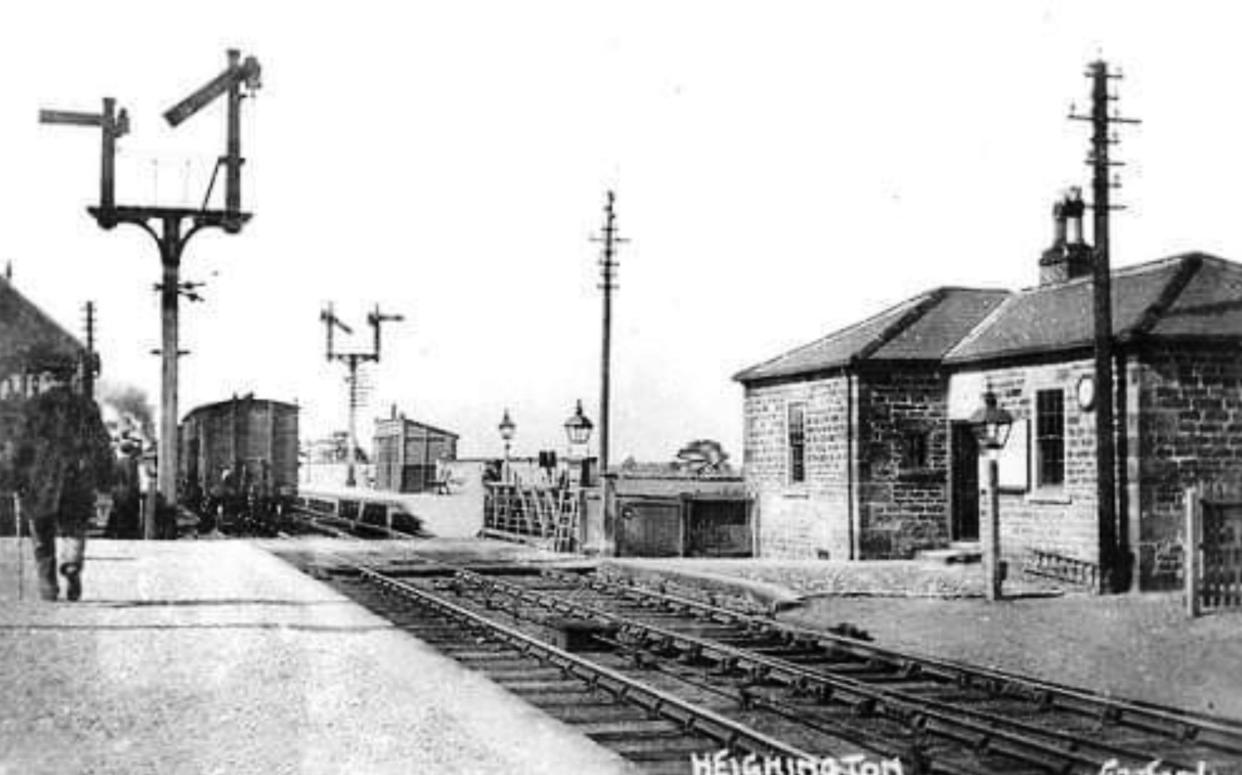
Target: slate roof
column 920, row 329
column 1191, row 296
column 1209, row 305
column 430, row 429
column 24, row 326
column 1188, row 297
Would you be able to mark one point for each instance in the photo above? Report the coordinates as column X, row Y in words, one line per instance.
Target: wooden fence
column 1213, row 549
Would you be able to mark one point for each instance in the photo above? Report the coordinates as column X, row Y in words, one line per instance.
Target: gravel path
column 214, row 656
column 1134, row 646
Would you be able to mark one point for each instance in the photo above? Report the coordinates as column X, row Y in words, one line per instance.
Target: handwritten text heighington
column 724, row 763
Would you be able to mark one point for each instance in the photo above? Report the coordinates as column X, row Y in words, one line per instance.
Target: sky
column 781, row 169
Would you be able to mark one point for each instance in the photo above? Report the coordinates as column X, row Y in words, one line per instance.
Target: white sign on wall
column 1015, row 458
column 1013, row 461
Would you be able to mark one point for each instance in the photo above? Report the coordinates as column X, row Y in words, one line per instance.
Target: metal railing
column 1070, row 570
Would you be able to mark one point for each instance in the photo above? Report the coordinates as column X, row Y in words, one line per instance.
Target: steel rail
column 323, row 522
column 915, row 711
column 951, row 669
column 689, row 716
column 868, row 739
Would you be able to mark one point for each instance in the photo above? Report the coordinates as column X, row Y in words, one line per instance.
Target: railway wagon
column 239, row 455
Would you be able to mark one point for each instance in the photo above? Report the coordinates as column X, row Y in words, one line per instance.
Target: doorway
column 965, row 483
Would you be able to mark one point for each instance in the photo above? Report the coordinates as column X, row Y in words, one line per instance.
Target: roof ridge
column 911, row 316
column 1129, row 270
column 904, row 315
column 739, row 376
column 1190, row 265
column 41, row 315
column 981, row 326
column 971, row 288
column 420, row 423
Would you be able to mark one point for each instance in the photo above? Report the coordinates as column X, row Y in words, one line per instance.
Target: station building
column 33, row 348
column 857, row 445
column 34, row 352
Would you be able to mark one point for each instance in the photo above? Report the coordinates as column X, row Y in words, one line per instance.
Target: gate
column 543, row 515
column 1213, row 556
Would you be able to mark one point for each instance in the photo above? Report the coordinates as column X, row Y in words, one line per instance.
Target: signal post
column 172, row 227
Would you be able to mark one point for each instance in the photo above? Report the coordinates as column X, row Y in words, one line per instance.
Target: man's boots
column 46, row 568
column 43, row 539
column 73, row 581
column 72, row 550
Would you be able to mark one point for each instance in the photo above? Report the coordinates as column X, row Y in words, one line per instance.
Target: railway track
column 661, row 678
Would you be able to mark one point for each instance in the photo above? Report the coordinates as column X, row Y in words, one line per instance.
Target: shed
column 676, row 515
column 406, row 453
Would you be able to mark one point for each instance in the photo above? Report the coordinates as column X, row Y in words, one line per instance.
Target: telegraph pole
column 91, row 367
column 608, row 267
column 352, row 361
column 1113, row 560
column 172, row 227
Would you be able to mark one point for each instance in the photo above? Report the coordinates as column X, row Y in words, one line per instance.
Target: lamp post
column 578, row 429
column 991, row 426
column 507, row 429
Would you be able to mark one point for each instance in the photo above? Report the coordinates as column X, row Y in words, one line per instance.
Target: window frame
column 915, row 449
column 795, row 451
column 1045, row 436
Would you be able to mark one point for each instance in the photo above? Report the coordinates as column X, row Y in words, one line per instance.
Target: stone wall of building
column 903, row 462
column 1058, row 519
column 1190, row 434
column 806, row 519
column 1182, row 415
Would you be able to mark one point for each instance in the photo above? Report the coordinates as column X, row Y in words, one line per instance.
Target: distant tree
column 703, row 457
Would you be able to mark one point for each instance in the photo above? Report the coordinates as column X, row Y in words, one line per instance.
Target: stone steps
column 957, row 552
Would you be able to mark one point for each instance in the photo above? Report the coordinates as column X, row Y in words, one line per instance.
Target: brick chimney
column 1069, row 256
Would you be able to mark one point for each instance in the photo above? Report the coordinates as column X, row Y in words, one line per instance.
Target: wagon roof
column 248, row 398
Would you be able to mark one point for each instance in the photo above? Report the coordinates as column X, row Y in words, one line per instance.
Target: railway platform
column 215, row 656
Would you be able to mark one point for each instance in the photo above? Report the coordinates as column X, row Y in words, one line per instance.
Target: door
column 648, row 528
column 965, row 484
column 717, row 528
column 192, row 483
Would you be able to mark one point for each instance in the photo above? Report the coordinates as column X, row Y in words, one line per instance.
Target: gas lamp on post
column 507, row 429
column 991, row 425
column 578, row 430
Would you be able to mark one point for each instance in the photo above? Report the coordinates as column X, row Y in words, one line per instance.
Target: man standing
column 63, row 457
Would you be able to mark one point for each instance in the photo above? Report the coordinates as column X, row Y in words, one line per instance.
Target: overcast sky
column 781, row 169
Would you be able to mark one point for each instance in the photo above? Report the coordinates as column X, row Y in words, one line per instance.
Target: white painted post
column 21, row 563
column 1190, row 550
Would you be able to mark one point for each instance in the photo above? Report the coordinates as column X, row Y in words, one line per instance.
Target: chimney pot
column 1058, row 223
column 1069, row 256
column 1074, row 208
